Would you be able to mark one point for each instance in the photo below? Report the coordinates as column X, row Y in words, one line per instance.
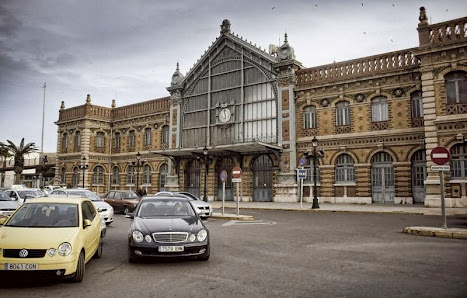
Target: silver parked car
column 20, row 194
column 204, row 209
column 7, row 205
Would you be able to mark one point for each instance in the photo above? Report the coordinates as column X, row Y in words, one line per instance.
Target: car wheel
column 79, row 274
column 205, row 256
column 100, row 247
column 132, row 258
column 126, row 210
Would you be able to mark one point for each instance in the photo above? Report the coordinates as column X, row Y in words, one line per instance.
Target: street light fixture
column 206, row 168
column 315, row 155
column 83, row 166
column 138, row 164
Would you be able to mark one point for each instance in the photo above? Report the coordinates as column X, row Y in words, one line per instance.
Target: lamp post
column 43, row 170
column 83, row 166
column 137, row 164
column 206, row 168
column 315, row 155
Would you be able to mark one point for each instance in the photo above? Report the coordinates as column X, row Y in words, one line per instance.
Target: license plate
column 21, row 267
column 171, row 248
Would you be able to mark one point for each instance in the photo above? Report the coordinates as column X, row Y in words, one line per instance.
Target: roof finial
column 178, row 68
column 423, row 18
column 225, row 26
column 113, row 103
column 62, row 105
column 88, row 98
column 285, row 38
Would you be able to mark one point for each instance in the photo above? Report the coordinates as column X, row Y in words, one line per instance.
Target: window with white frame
column 100, row 140
column 147, row 136
column 130, row 175
column 379, row 109
column 342, row 113
column 459, row 161
column 456, row 87
column 416, row 104
column 345, row 171
column 164, row 170
column 309, row 172
column 98, row 175
column 131, row 138
column 147, row 174
column 165, row 134
column 115, row 175
column 309, row 117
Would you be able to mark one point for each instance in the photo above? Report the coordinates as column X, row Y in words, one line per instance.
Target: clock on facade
column 225, row 115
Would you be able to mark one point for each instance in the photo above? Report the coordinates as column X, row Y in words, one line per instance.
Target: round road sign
column 236, row 172
column 302, row 161
column 223, row 176
column 440, row 155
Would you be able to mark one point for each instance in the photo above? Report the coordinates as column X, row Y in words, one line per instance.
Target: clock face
column 225, row 115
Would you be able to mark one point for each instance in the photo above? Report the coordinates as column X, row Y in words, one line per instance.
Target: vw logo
column 23, row 253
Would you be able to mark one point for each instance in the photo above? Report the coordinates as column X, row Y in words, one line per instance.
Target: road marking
column 248, row 222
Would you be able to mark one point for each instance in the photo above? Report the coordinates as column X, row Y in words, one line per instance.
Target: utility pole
column 43, row 119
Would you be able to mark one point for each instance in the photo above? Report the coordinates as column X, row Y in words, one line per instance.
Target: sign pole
column 223, row 197
column 301, row 193
column 238, row 199
column 443, row 207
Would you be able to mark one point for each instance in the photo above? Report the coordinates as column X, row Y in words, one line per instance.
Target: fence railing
column 449, row 32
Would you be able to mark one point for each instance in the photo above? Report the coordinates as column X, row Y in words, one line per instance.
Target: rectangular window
column 131, row 139
column 100, row 140
column 379, row 111
column 342, row 116
column 310, row 119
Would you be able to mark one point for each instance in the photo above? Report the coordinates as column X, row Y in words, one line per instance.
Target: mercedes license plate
column 171, row 248
column 21, row 267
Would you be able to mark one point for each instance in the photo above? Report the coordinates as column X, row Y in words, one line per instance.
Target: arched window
column 342, row 113
column 309, row 167
column 165, row 134
column 117, row 140
column 163, row 170
column 309, row 117
column 65, row 141
column 98, row 175
column 130, row 175
column 379, row 109
column 345, row 171
column 100, row 140
column 115, row 175
column 147, row 136
column 131, row 138
column 63, row 176
column 77, row 139
column 459, row 161
column 456, row 87
column 75, row 179
column 147, row 174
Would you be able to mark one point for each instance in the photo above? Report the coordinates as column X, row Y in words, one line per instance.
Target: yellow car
column 57, row 235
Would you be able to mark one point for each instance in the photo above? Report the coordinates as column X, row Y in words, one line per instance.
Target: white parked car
column 7, row 205
column 105, row 210
column 20, row 194
column 204, row 209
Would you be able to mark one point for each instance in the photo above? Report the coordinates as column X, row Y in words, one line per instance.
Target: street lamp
column 315, row 155
column 43, row 170
column 137, row 164
column 83, row 166
column 206, row 168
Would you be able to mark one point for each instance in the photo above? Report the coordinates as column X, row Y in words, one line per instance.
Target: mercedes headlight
column 137, row 236
column 64, row 249
column 202, row 235
column 148, row 238
column 192, row 237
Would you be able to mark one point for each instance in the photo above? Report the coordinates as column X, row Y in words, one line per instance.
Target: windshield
column 4, row 197
column 35, row 193
column 162, row 208
column 85, row 194
column 130, row 195
column 45, row 215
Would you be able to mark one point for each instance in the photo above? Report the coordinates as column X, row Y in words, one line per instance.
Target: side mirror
column 2, row 220
column 27, row 197
column 130, row 215
column 86, row 223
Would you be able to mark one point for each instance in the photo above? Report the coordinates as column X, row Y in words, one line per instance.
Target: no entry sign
column 236, row 172
column 440, row 155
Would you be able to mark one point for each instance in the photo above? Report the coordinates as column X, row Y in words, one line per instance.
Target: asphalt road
column 281, row 254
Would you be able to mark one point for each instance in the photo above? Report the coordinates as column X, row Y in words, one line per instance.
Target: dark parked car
column 167, row 227
column 124, row 201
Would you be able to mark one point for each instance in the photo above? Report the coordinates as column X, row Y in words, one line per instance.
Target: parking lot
column 281, row 253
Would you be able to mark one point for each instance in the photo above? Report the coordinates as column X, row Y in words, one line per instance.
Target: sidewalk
column 231, row 211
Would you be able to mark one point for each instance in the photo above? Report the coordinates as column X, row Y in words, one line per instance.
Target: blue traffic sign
column 302, row 161
column 301, row 173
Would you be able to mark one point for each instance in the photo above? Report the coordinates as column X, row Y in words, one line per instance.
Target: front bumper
column 190, row 250
column 107, row 216
column 66, row 264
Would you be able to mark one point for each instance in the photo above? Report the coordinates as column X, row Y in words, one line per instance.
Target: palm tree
column 4, row 154
column 19, row 153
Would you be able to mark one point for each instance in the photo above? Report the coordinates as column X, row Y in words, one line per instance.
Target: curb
column 233, row 217
column 327, row 210
column 437, row 232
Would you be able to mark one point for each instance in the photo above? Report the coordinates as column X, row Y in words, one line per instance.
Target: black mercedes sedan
column 167, row 227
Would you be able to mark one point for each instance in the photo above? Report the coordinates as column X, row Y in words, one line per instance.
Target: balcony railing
column 457, row 108
column 343, row 129
column 368, row 66
column 454, row 31
column 380, row 125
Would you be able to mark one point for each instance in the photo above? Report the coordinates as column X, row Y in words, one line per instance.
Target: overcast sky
column 128, row 50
